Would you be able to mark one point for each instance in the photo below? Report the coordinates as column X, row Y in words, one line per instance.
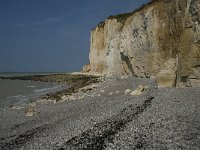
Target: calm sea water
column 14, row 92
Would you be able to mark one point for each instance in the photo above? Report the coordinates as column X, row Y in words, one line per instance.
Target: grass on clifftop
column 122, row 17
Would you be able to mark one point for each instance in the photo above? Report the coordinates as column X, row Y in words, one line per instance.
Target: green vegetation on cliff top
column 122, row 17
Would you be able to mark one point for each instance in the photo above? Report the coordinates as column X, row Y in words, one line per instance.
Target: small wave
column 46, row 89
column 23, row 99
column 16, row 96
column 31, row 86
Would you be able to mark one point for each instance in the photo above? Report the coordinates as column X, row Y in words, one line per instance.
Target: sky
column 52, row 35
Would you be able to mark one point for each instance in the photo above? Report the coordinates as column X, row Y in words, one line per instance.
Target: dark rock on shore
column 59, row 78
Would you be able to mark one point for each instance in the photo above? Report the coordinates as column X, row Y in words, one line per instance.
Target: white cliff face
column 161, row 40
column 104, row 57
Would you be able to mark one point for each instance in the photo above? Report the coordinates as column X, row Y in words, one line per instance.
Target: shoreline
column 75, row 81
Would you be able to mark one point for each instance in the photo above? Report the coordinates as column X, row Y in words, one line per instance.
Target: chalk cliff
column 160, row 40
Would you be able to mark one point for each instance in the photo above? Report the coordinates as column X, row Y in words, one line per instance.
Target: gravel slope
column 106, row 118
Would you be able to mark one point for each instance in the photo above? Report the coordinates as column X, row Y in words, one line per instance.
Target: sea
column 16, row 92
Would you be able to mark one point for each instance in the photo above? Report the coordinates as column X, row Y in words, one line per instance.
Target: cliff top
column 122, row 17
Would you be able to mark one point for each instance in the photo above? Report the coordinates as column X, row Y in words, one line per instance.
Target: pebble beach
column 107, row 115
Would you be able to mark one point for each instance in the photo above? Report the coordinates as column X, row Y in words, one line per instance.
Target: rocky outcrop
column 86, row 68
column 159, row 40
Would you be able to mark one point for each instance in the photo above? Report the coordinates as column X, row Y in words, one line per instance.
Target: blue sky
column 52, row 35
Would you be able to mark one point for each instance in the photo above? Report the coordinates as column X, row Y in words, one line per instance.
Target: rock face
column 86, row 68
column 159, row 40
